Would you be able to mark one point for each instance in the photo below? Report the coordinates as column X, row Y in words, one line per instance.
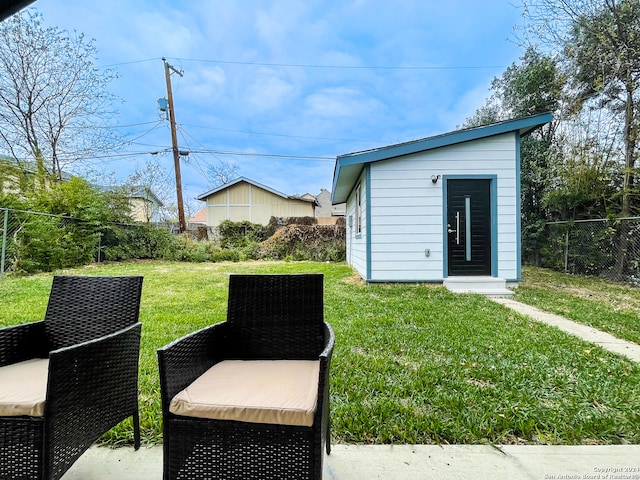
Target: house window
column 358, row 211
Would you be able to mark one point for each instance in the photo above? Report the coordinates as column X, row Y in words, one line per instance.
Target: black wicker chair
column 269, row 317
column 91, row 338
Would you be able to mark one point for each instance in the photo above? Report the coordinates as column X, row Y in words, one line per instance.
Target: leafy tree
column 53, row 100
column 605, row 51
column 535, row 85
column 601, row 43
column 77, row 198
column 532, row 86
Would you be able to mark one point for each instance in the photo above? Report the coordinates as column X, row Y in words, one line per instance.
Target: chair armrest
column 22, row 342
column 185, row 359
column 92, row 386
column 322, row 417
column 329, row 342
column 325, row 362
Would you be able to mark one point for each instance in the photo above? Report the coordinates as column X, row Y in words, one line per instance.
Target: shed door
column 469, row 227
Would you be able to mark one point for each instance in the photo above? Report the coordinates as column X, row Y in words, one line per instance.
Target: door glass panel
column 467, row 226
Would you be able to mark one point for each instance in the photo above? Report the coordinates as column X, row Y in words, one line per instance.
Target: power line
column 272, row 134
column 249, row 154
column 131, row 62
column 183, row 132
column 158, row 123
column 343, row 67
column 111, row 127
column 267, row 155
column 312, row 65
column 113, row 157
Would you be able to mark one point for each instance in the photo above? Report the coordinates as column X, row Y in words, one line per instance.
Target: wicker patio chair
column 275, row 325
column 66, row 380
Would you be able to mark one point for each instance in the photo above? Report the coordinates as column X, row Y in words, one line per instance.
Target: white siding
column 407, row 209
column 357, row 243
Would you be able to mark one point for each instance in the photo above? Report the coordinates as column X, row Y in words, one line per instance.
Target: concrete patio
column 407, row 462
column 417, row 462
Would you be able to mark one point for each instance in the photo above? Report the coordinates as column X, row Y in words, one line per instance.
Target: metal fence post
column 5, row 228
column 566, row 250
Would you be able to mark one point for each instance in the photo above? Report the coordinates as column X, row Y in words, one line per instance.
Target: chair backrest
column 275, row 316
column 82, row 308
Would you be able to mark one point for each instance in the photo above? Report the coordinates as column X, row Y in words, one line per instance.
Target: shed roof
column 9, row 7
column 348, row 166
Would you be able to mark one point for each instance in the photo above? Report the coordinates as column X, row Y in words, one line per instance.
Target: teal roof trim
column 349, row 165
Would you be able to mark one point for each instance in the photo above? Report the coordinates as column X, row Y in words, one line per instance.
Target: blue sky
column 291, row 78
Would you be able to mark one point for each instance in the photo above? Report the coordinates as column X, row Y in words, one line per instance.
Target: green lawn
column 412, row 363
column 607, row 306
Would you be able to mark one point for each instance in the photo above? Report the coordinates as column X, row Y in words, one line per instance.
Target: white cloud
column 464, row 106
column 269, row 91
column 206, row 84
column 337, row 102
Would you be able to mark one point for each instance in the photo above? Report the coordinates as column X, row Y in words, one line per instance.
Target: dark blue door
column 469, row 227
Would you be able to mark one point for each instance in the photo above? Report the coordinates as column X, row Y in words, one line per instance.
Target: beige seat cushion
column 23, row 388
column 282, row 392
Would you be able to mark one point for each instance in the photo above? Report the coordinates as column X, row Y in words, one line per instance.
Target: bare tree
column 222, row 173
column 152, row 177
column 53, row 100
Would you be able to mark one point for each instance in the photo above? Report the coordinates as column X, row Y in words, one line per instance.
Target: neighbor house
column 326, row 213
column 143, row 204
column 439, row 209
column 246, row 200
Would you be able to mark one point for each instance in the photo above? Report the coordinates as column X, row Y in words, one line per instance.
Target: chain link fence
column 34, row 241
column 608, row 248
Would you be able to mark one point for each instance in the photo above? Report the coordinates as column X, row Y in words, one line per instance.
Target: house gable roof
column 235, row 182
column 138, row 191
column 302, row 198
column 348, row 166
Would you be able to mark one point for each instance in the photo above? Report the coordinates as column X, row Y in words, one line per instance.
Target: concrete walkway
column 590, row 334
column 418, row 462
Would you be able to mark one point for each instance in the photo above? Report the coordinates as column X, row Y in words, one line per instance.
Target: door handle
column 457, row 230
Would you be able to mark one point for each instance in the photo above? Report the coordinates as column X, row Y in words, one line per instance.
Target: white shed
column 437, row 209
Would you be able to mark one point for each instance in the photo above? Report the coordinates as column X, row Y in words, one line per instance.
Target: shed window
column 358, row 211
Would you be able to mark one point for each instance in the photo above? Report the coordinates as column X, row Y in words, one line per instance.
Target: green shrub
column 144, row 241
column 68, row 230
column 44, row 243
column 227, row 256
column 240, row 234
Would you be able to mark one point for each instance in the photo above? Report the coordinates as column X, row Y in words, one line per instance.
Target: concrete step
column 490, row 286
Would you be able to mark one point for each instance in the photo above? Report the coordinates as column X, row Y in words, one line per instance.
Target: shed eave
column 348, row 166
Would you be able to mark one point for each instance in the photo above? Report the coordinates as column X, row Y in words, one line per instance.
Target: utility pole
column 174, row 143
